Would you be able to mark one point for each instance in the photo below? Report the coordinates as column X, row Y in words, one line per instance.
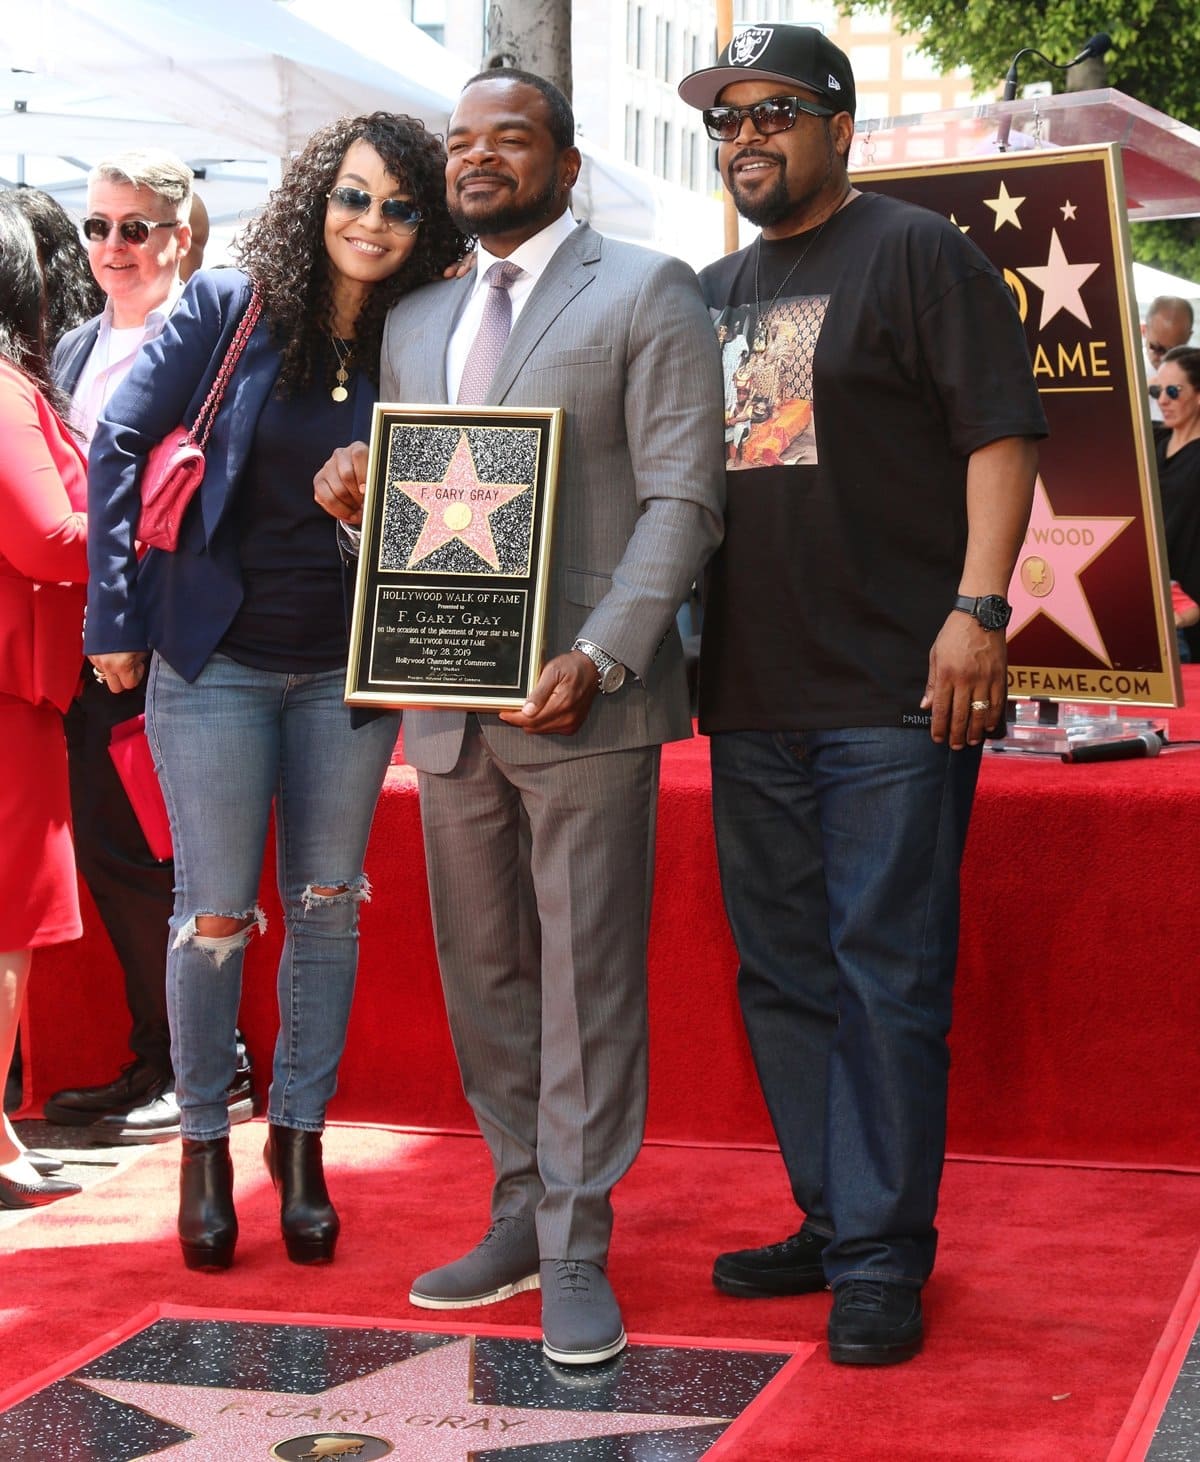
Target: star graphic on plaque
column 419, row 1407
column 459, row 506
column 1056, row 550
column 1005, row 207
column 1060, row 283
column 1068, row 210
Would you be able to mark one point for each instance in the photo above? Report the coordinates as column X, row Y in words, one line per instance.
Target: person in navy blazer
column 244, row 630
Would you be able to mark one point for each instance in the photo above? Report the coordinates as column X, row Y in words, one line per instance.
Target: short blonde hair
column 155, row 169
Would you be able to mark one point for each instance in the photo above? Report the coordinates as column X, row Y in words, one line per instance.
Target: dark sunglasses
column 132, row 230
column 1172, row 393
column 400, row 215
column 775, row 114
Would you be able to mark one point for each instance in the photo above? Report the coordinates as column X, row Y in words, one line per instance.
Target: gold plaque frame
column 453, row 570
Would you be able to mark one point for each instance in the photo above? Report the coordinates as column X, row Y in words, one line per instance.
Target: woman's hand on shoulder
column 460, row 267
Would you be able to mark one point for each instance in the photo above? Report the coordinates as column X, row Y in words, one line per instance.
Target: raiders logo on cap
column 748, row 45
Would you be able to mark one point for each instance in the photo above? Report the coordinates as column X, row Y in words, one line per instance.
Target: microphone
column 1124, row 748
column 1099, row 45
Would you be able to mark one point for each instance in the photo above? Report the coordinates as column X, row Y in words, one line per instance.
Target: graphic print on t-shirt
column 768, row 368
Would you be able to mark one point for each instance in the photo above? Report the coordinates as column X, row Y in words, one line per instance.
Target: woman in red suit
column 43, row 572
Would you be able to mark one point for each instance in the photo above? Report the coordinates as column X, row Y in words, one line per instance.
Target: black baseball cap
column 796, row 54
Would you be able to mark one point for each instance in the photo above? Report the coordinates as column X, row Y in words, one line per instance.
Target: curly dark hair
column 283, row 249
column 72, row 294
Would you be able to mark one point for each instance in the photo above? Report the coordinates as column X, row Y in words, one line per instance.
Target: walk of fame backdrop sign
column 453, row 570
column 185, row 1386
column 1091, row 595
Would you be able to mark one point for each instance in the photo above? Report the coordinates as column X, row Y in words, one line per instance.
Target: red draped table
column 1077, row 1005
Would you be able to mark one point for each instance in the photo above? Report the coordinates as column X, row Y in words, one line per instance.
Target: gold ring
column 981, row 705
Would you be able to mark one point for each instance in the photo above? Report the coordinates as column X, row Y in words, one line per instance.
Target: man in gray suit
column 539, row 823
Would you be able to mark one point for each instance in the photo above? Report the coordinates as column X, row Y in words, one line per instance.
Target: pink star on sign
column 1056, row 551
column 460, row 506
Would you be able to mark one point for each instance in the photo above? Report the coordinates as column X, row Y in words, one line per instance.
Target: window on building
column 430, row 16
column 665, row 170
column 639, row 59
column 639, row 136
column 666, row 70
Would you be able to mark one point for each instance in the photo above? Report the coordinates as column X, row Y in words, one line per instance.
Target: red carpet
column 1054, row 1290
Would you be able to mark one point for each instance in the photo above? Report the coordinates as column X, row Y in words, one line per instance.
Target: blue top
column 291, row 618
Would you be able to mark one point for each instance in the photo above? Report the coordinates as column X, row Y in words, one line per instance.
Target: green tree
column 1155, row 58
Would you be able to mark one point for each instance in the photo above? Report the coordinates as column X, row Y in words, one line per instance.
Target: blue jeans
column 226, row 746
column 839, row 854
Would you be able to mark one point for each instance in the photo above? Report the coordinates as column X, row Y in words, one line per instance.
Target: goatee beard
column 768, row 209
column 501, row 217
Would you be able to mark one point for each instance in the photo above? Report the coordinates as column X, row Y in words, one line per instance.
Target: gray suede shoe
column 581, row 1321
column 503, row 1263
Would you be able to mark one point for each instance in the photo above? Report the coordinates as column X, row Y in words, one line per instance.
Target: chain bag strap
column 174, row 468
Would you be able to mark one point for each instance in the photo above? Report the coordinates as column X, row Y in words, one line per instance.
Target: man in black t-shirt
column 853, row 658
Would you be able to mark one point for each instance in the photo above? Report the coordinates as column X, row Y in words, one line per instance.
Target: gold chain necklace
column 345, row 360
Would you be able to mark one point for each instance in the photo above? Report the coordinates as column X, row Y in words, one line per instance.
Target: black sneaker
column 82, row 1106
column 792, row 1266
column 874, row 1323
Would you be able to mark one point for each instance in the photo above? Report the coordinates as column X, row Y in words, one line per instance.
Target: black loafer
column 874, row 1323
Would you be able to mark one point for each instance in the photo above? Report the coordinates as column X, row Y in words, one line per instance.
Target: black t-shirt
column 1179, row 486
column 292, row 617
column 889, row 350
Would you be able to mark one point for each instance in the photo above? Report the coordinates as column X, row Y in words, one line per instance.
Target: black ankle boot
column 208, row 1226
column 309, row 1222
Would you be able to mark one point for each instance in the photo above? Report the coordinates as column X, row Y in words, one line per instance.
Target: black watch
column 992, row 611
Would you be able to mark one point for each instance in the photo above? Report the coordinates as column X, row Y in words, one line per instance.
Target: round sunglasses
column 775, row 114
column 400, row 214
column 132, row 230
column 1172, row 393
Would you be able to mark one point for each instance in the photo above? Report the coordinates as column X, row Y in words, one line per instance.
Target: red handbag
column 130, row 752
column 175, row 467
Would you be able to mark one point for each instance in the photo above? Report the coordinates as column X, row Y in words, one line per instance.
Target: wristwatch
column 611, row 672
column 992, row 611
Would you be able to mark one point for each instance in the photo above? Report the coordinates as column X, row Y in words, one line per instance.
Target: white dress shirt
column 112, row 354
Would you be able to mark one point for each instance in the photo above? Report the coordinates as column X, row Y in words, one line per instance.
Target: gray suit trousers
column 540, row 879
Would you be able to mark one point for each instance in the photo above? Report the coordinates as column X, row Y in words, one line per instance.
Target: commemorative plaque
column 450, row 600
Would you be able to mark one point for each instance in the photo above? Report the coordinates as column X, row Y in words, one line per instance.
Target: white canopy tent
column 234, row 87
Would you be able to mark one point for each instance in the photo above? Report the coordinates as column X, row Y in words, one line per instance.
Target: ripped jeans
column 226, row 746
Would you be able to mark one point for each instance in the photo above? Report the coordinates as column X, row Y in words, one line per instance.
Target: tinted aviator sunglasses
column 132, row 230
column 1172, row 393
column 400, row 214
column 775, row 114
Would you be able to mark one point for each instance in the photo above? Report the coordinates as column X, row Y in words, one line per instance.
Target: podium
column 1160, row 156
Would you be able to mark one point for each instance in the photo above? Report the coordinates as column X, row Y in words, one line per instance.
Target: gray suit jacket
column 621, row 339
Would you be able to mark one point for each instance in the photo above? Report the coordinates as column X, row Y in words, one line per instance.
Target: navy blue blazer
column 72, row 351
column 182, row 603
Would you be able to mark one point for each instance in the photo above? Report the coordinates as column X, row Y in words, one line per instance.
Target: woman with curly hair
column 243, row 626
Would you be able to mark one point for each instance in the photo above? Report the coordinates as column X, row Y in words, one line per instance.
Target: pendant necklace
column 345, row 360
column 760, row 328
